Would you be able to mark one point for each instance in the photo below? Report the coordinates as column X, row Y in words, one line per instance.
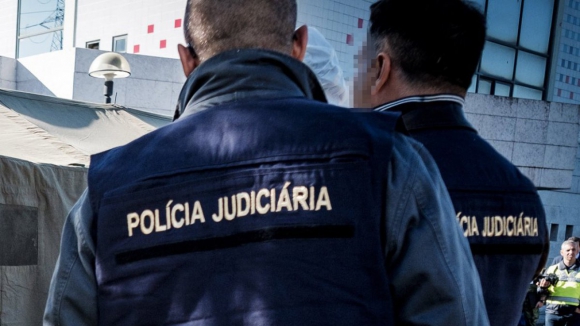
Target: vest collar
column 430, row 111
column 562, row 266
column 246, row 73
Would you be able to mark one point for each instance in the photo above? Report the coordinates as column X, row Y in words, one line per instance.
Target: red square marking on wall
column 150, row 29
column 360, row 22
column 567, row 79
column 349, row 39
column 559, row 92
column 136, row 48
column 177, row 23
column 571, row 95
column 163, row 44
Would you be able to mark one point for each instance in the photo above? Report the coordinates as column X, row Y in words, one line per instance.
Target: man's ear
column 188, row 61
column 299, row 42
column 384, row 73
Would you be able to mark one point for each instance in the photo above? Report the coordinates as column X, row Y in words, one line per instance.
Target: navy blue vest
column 257, row 212
column 497, row 207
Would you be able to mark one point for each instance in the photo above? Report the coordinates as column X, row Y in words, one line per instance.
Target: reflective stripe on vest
column 563, row 300
column 567, row 290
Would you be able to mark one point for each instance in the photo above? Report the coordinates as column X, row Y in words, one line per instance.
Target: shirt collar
column 429, row 111
column 422, row 99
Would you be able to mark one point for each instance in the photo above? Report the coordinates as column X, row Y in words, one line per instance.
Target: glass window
column 526, row 92
column 34, row 45
column 480, row 4
column 569, row 231
column 530, row 69
column 502, row 89
column 93, row 45
column 484, row 86
column 120, row 43
column 498, row 60
column 554, row 232
column 473, row 85
column 40, row 26
column 503, row 19
column 536, row 25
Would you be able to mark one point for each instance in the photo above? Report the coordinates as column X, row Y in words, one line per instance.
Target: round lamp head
column 110, row 65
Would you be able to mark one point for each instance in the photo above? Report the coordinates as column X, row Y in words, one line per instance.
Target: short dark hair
column 433, row 42
column 575, row 239
column 214, row 26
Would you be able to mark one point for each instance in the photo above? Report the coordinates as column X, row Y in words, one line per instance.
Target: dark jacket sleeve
column 434, row 280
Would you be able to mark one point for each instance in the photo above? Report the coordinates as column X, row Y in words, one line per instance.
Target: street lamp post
column 109, row 65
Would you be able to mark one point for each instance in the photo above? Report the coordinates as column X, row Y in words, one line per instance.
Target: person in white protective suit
column 322, row 59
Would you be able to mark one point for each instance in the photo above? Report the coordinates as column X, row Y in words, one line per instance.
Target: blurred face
column 568, row 253
column 366, row 71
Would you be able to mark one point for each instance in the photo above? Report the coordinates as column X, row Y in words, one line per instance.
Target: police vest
column 567, row 290
column 497, row 207
column 259, row 213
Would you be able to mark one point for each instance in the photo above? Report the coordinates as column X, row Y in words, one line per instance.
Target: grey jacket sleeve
column 72, row 297
column 433, row 278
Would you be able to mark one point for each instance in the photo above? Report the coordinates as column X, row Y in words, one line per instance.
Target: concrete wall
column 563, row 211
column 8, row 73
column 539, row 137
column 49, row 73
column 153, row 86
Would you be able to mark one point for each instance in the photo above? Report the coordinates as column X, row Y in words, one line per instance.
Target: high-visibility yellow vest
column 567, row 290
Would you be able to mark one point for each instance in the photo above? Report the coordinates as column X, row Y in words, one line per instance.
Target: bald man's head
column 215, row 26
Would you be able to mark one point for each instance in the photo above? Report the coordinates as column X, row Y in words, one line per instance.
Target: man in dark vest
column 261, row 204
column 421, row 57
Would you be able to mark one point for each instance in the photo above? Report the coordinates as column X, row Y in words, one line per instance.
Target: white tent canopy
column 43, row 129
column 45, row 145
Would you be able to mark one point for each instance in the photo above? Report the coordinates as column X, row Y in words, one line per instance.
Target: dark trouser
column 567, row 320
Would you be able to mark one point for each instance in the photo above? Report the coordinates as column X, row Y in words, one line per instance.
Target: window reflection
column 503, row 20
column 517, row 47
column 502, row 89
column 484, row 87
column 526, row 92
column 480, row 4
column 40, row 26
column 498, row 60
column 530, row 69
column 473, row 85
column 536, row 23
